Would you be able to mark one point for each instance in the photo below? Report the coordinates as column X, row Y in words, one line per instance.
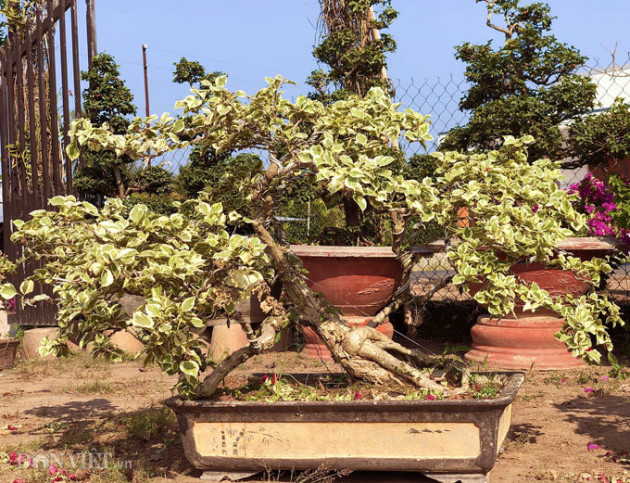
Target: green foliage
column 192, row 72
column 355, row 57
column 105, row 101
column 527, row 86
column 598, row 139
column 188, row 267
column 225, row 178
column 185, row 265
column 620, row 188
column 15, row 15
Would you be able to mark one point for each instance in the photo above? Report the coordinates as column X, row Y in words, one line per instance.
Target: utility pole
column 146, row 85
column 146, row 79
column 90, row 16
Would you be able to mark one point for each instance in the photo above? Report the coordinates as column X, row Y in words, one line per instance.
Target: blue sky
column 251, row 39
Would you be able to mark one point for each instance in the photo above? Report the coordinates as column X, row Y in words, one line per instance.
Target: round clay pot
column 358, row 280
column 528, row 338
column 520, row 344
column 8, row 349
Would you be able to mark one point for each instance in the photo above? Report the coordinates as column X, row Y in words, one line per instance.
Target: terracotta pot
column 8, row 349
column 358, row 280
column 528, row 339
column 520, row 344
column 448, row 440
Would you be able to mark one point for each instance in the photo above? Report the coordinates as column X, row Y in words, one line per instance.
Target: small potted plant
column 8, row 348
column 187, row 266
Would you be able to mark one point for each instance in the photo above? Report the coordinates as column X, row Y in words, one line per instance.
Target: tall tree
column 106, row 100
column 528, row 85
column 353, row 48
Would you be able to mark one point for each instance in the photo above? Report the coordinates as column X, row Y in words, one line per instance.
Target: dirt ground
column 567, row 426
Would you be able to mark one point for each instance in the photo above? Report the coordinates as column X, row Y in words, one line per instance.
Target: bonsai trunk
column 119, row 182
column 352, row 212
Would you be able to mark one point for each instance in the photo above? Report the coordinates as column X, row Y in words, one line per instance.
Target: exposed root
column 368, row 344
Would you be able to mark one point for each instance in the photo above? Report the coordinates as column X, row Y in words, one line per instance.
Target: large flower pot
column 527, row 340
column 8, row 349
column 448, row 440
column 357, row 280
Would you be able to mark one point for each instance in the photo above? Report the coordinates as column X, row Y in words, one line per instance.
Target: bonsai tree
column 192, row 72
column 187, row 266
column 106, row 100
column 527, row 85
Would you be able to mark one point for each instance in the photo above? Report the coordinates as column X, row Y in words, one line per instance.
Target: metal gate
column 40, row 95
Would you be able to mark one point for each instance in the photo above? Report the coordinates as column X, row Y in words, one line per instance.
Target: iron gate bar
column 44, row 100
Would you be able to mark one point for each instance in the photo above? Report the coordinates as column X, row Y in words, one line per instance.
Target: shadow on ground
column 605, row 419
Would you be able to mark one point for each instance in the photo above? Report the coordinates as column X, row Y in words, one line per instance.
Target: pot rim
column 507, row 396
column 342, row 251
column 590, row 243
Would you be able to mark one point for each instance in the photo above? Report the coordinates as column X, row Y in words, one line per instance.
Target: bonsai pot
column 8, row 349
column 357, row 280
column 448, row 440
column 527, row 339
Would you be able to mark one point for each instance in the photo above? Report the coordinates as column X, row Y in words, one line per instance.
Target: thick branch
column 401, row 297
column 270, row 326
column 507, row 31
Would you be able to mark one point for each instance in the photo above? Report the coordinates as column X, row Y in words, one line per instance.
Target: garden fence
column 40, row 94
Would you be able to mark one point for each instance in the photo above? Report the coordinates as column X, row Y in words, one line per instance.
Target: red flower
column 11, row 428
column 357, row 395
column 430, row 397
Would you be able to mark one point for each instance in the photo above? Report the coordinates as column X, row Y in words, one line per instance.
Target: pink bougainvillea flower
column 588, row 389
column 53, row 470
column 430, row 397
column 564, row 379
column 12, row 457
column 592, row 446
column 604, row 377
column 357, row 395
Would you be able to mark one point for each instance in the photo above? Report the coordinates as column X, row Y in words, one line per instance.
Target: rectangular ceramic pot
column 8, row 348
column 438, row 438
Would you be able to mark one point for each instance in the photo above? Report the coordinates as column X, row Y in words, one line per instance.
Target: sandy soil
column 567, row 425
